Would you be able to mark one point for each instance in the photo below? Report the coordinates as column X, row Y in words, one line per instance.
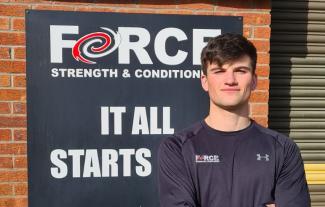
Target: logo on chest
column 265, row 157
column 207, row 158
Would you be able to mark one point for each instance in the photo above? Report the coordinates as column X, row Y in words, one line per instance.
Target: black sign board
column 103, row 90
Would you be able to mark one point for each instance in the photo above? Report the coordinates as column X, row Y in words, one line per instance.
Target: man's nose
column 230, row 78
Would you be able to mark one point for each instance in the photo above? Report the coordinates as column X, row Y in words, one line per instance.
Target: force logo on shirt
column 207, row 158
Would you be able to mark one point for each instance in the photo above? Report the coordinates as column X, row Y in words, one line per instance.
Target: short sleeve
column 291, row 186
column 175, row 186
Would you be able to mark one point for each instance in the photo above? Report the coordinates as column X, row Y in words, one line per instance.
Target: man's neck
column 228, row 120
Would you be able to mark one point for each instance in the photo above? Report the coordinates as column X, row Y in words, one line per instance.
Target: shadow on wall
column 250, row 4
column 288, row 51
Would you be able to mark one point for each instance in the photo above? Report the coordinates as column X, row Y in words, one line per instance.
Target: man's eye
column 218, row 71
column 241, row 71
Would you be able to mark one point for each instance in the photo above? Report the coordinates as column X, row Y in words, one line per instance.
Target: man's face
column 230, row 85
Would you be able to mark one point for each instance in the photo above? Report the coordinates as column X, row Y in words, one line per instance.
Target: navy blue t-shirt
column 204, row 167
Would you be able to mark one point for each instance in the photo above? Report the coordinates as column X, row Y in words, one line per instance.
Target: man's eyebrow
column 243, row 68
column 217, row 68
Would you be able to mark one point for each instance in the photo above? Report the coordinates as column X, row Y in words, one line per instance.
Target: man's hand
column 270, row 205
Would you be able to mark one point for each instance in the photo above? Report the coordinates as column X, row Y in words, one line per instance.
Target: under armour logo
column 260, row 157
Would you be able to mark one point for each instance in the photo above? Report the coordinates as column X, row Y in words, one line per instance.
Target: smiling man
column 227, row 159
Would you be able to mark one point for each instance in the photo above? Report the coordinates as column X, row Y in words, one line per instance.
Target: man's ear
column 254, row 82
column 204, row 82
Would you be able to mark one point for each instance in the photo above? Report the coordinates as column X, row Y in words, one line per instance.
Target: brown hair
column 226, row 48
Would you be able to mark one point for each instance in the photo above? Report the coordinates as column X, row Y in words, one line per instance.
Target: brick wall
column 13, row 158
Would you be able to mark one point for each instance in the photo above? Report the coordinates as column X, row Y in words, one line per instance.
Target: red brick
column 12, row 66
column 256, row 19
column 4, row 80
column 27, row 1
column 13, row 10
column 13, row 148
column 13, row 202
column 263, row 58
column 247, row 32
column 12, row 94
column 263, row 71
column 96, row 9
column 262, row 32
column 12, row 38
column 6, row 189
column 223, row 13
column 262, row 45
column 15, row 121
column 5, row 162
column 18, row 24
column 200, row 12
column 82, row 8
column 20, row 162
column 174, row 11
column 54, row 7
column 4, row 108
column 19, row 52
column 196, row 4
column 263, row 84
column 262, row 120
column 5, row 134
column 13, row 176
column 19, row 81
column 259, row 109
column 21, row 189
column 4, row 23
column 19, row 108
column 136, row 11
column 20, row 135
column 259, row 97
column 4, row 53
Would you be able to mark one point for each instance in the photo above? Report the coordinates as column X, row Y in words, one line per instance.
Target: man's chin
column 230, row 107
column 235, row 106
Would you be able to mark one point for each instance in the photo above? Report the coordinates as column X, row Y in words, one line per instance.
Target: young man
column 227, row 159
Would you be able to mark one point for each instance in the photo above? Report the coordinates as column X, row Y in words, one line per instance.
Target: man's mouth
column 230, row 89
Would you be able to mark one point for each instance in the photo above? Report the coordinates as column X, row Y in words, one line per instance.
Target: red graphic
column 77, row 54
column 199, row 157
